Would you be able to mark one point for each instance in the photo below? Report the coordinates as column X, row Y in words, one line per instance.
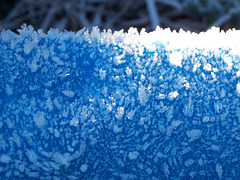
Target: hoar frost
column 100, row 105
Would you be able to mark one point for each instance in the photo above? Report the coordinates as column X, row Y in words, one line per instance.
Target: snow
column 112, row 105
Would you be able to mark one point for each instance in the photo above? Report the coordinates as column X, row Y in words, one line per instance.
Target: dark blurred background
column 193, row 15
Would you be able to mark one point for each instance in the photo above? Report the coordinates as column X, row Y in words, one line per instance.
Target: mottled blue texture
column 73, row 106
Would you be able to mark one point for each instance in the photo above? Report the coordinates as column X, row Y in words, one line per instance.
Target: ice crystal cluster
column 115, row 105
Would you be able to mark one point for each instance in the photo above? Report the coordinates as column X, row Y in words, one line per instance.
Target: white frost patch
column 189, row 162
column 166, row 169
column 238, row 74
column 173, row 95
column 228, row 61
column 74, row 121
column 68, row 93
column 49, row 104
column 205, row 119
column 61, row 159
column 33, row 66
column 102, row 74
column 176, row 58
column 116, row 129
column 161, row 96
column 207, row 67
column 133, row 155
column 58, row 61
column 129, row 72
column 238, row 88
column 120, row 113
column 5, row 159
column 176, row 123
column 9, row 123
column 28, row 46
column 194, row 134
column 143, row 97
column 84, row 167
column 149, row 171
column 31, row 156
column 56, row 133
column 188, row 109
column 39, row 119
column 219, row 170
column 9, row 90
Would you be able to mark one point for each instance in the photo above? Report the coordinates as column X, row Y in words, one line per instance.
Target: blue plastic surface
column 105, row 106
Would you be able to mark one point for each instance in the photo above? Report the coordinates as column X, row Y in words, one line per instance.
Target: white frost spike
column 49, row 104
column 166, row 169
column 143, row 97
column 129, row 72
column 58, row 61
column 39, row 119
column 176, row 123
column 176, row 58
column 28, row 46
column 188, row 109
column 31, row 156
column 102, row 74
column 74, row 121
column 120, row 113
column 118, row 60
column 130, row 115
column 219, row 170
column 68, row 93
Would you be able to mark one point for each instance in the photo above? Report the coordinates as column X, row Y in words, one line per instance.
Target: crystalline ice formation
column 103, row 105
